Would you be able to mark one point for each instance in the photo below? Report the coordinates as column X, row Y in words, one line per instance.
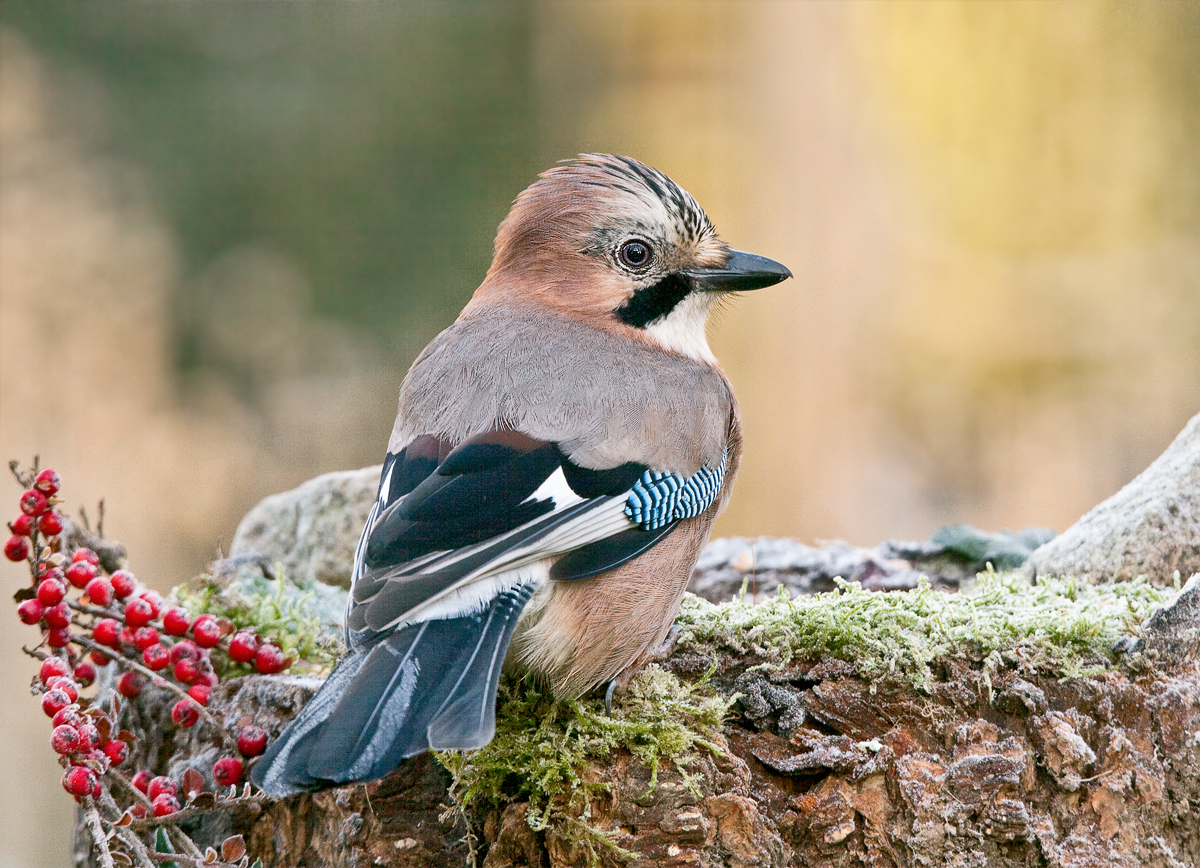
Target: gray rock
column 1150, row 527
column 1173, row 629
column 312, row 530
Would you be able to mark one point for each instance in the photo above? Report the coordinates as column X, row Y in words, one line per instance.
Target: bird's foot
column 657, row 654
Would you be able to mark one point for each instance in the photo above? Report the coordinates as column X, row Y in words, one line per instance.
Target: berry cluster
column 90, row 619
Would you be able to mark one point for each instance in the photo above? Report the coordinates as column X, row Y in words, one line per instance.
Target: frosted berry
column 123, row 583
column 50, row 522
column 144, row 637
column 98, row 657
column 58, row 616
column 50, row 592
column 207, row 631
column 207, row 678
column 66, row 684
column 48, row 482
column 79, row 781
column 227, row 771
column 138, row 613
column 99, row 590
column 54, row 701
column 86, row 554
column 58, row 637
column 186, row 671
column 34, row 503
column 251, row 740
column 89, row 737
column 130, row 684
column 161, row 786
column 242, row 647
column 31, row 611
column 184, row 649
column 202, row 693
column 22, row 525
column 64, row 739
column 107, row 632
column 53, row 667
column 268, row 659
column 164, row 805
column 154, row 598
column 80, row 573
column 69, row 716
column 85, row 673
column 117, row 751
column 157, row 657
column 16, row 548
column 141, row 780
column 185, row 713
column 176, row 621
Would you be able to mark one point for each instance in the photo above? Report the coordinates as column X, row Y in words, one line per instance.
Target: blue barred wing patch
column 658, row 498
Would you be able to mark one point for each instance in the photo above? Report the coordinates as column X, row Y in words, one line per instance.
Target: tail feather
column 431, row 684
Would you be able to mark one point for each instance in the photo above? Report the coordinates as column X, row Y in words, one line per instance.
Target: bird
column 560, row 454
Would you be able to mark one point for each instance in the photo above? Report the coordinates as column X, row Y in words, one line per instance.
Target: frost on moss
column 1058, row 625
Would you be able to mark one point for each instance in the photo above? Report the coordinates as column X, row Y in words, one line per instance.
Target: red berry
column 201, row 693
column 161, row 786
column 64, row 739
column 207, row 631
column 227, row 771
column 157, row 657
column 58, row 637
column 185, row 713
column 176, row 621
column 16, row 548
column 50, row 522
column 141, row 780
column 164, row 805
column 85, row 673
column 69, row 716
column 184, row 649
column 207, row 678
column 242, row 647
column 268, row 659
column 144, row 637
column 117, row 751
column 107, row 632
column 79, row 781
column 138, row 613
column 66, row 684
column 125, row 638
column 58, row 616
column 31, row 611
column 50, row 592
column 130, row 684
column 80, row 573
column 89, row 737
column 22, row 525
column 86, row 554
column 99, row 658
column 251, row 740
column 99, row 590
column 54, row 701
column 34, row 503
column 53, row 667
column 185, row 671
column 48, row 482
column 154, row 598
column 123, row 583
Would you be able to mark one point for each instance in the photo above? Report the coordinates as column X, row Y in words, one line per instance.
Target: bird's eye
column 635, row 254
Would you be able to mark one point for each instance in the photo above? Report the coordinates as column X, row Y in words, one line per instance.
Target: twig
column 135, row 846
column 92, row 817
column 100, row 519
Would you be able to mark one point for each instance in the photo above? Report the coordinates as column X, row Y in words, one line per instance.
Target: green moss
column 285, row 619
column 543, row 746
column 1063, row 626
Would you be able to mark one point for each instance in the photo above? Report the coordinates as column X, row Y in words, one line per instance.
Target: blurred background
column 227, row 229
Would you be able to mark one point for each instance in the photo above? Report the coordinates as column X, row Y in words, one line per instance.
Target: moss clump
column 283, row 618
column 543, row 746
column 1062, row 626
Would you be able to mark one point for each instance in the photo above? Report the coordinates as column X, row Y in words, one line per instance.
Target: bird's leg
column 657, row 654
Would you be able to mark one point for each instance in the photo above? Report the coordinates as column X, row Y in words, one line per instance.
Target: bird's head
column 616, row 244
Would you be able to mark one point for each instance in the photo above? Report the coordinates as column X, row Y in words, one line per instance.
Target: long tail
column 426, row 685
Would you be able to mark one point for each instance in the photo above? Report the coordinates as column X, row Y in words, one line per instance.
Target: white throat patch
column 683, row 329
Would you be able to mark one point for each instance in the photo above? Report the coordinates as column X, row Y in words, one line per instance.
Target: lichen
column 1058, row 625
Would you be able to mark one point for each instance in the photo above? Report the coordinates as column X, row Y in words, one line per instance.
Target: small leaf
column 193, row 783
column 24, row 594
column 204, row 800
column 210, row 856
column 116, row 707
column 244, row 720
column 233, row 848
column 120, row 858
column 162, row 844
column 125, row 819
column 104, row 727
column 257, row 863
column 227, row 626
column 127, row 737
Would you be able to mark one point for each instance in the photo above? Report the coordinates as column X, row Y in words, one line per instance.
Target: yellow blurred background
column 227, row 229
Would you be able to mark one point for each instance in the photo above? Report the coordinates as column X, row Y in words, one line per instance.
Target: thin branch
column 92, row 817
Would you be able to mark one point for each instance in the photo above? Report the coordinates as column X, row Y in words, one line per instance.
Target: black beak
column 743, row 271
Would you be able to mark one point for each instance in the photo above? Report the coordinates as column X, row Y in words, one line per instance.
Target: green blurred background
column 226, row 230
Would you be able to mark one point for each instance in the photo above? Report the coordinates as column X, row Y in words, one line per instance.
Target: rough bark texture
column 1150, row 527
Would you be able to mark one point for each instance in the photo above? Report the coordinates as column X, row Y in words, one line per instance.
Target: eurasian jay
column 560, row 454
